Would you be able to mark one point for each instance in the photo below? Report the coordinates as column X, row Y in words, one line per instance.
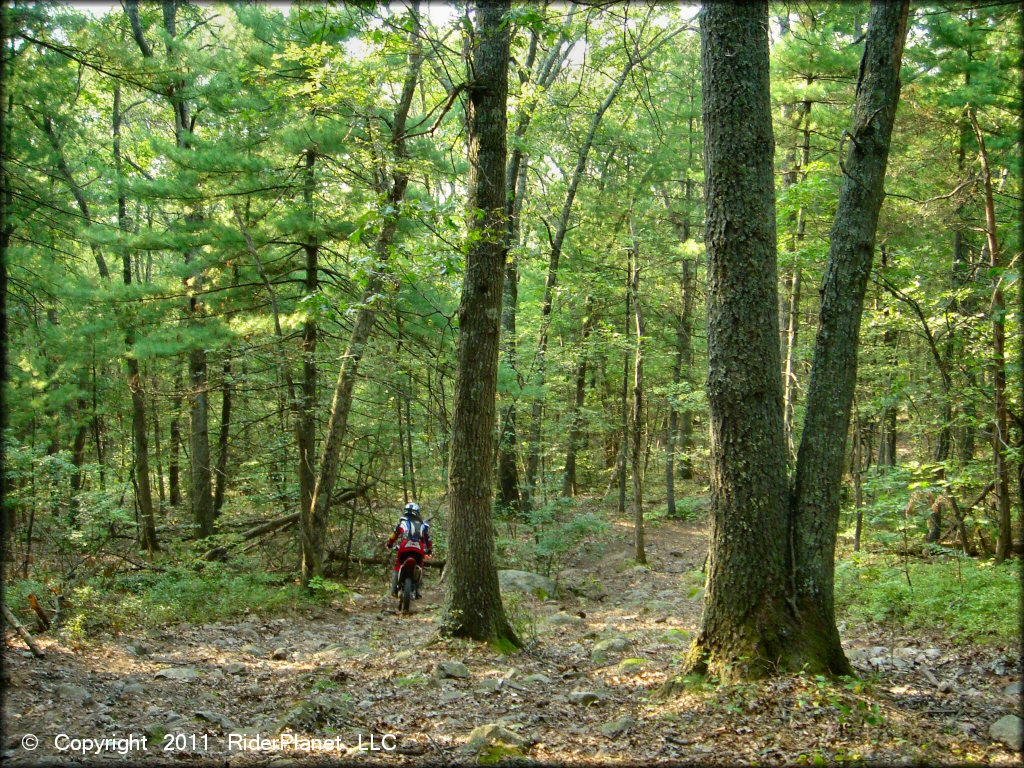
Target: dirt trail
column 357, row 671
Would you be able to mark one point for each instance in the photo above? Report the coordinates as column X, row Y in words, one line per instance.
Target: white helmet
column 413, row 509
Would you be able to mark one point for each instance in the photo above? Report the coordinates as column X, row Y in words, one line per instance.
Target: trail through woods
column 583, row 691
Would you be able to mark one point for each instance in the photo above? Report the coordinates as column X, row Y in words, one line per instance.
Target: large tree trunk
column 473, row 605
column 745, row 628
column 313, row 525
column 1000, row 431
column 815, row 500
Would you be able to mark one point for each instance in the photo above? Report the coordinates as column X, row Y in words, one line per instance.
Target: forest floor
column 355, row 671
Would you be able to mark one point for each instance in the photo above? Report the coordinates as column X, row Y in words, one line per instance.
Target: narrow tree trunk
column 174, row 464
column 576, row 418
column 638, row 402
column 515, row 178
column 473, row 606
column 306, row 422
column 200, row 490
column 557, row 241
column 223, row 438
column 1000, row 430
column 313, row 526
column 157, row 453
column 623, row 453
column 144, row 494
column 815, row 500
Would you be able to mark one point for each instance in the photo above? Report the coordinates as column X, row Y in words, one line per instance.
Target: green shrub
column 969, row 601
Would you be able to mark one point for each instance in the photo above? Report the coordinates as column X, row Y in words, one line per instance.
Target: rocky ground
column 378, row 687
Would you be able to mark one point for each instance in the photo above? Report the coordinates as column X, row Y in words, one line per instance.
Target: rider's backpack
column 413, row 530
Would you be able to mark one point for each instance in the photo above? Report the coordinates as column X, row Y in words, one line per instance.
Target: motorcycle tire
column 405, row 594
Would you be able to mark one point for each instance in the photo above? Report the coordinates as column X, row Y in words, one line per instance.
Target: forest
column 693, row 333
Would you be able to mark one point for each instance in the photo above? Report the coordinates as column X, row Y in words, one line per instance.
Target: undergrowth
column 972, row 601
column 127, row 602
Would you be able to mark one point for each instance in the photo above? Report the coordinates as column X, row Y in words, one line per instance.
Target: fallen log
column 338, row 557
column 23, row 633
column 280, row 523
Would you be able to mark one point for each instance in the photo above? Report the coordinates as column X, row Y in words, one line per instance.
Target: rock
column 866, row 654
column 156, row 731
column 582, row 583
column 494, row 734
column 133, row 689
column 452, row 668
column 1009, row 730
column 1013, row 689
column 491, row 685
column 615, row 728
column 73, row 693
column 216, row 717
column 631, row 666
column 537, row 678
column 178, row 673
column 137, row 649
column 252, row 650
column 404, row 655
column 602, row 651
column 320, row 712
column 932, row 653
column 279, row 654
column 659, row 607
column 524, row 581
column 584, row 698
column 562, row 619
column 946, row 687
column 235, row 668
column 676, row 635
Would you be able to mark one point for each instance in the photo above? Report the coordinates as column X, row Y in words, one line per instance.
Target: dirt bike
column 410, row 577
column 410, row 574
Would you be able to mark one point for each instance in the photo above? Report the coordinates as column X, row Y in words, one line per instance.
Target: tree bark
column 815, row 498
column 746, row 627
column 473, row 606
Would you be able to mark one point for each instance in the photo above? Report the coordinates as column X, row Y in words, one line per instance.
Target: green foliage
column 147, row 599
column 971, row 601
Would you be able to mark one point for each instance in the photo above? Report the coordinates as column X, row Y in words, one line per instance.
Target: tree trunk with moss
column 746, row 624
column 819, row 468
column 473, row 606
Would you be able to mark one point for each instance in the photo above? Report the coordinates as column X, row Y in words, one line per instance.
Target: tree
column 820, row 458
column 769, row 599
column 473, row 605
column 745, row 625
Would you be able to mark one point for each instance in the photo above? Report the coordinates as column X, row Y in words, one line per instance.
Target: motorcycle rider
column 413, row 537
